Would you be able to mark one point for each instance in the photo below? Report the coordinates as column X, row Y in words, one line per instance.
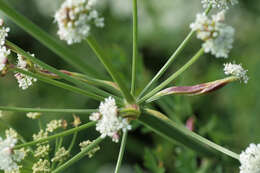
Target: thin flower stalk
column 47, row 110
column 171, row 59
column 135, row 45
column 173, row 76
column 121, row 152
column 79, row 156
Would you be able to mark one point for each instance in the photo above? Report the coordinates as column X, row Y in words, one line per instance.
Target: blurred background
column 229, row 117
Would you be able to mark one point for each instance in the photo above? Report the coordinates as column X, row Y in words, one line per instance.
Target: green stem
column 73, row 141
column 173, row 76
column 135, row 45
column 44, row 110
column 171, row 59
column 79, row 156
column 114, row 74
column 60, row 84
column 121, row 152
column 18, row 50
column 65, row 133
column 63, row 51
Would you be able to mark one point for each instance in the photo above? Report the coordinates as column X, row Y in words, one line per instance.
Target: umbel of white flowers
column 109, row 123
column 4, row 52
column 217, row 36
column 23, row 80
column 236, row 70
column 221, row 4
column 9, row 157
column 75, row 18
column 250, row 159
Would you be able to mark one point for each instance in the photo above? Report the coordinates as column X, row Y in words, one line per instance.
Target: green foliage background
column 229, row 117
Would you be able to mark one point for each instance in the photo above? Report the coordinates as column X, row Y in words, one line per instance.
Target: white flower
column 3, row 32
column 42, row 166
column 24, row 81
column 61, row 155
column 250, row 159
column 217, row 36
column 53, row 125
column 236, row 70
column 221, row 4
column 108, row 121
column 95, row 116
column 11, row 133
column 75, row 18
column 41, row 135
column 4, row 52
column 33, row 115
column 42, row 151
column 85, row 144
column 8, row 157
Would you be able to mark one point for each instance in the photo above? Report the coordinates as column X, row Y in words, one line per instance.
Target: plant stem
column 171, row 59
column 79, row 156
column 113, row 73
column 79, row 83
column 63, row 51
column 60, row 84
column 135, row 44
column 73, row 141
column 44, row 110
column 173, row 76
column 65, row 133
column 121, row 152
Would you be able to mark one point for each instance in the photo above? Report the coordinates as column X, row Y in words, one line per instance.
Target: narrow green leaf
column 44, row 110
column 63, row 51
column 172, row 131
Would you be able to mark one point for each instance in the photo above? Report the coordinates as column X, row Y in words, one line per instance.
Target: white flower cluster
column 33, row 115
column 250, row 159
column 23, row 80
column 236, row 70
column 221, row 4
column 9, row 157
column 85, row 144
column 217, row 36
column 74, row 20
column 4, row 52
column 53, row 125
column 42, row 166
column 108, row 121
